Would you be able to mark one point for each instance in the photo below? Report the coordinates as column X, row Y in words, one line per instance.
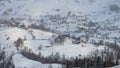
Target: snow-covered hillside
column 99, row 10
column 59, row 33
column 41, row 45
column 30, row 63
column 14, row 33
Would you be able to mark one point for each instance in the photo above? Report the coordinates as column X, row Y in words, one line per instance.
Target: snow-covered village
column 59, row 33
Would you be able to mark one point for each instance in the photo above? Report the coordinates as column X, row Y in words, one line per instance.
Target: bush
column 19, row 42
column 114, row 8
column 5, row 62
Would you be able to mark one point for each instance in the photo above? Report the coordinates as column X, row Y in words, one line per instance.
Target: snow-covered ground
column 63, row 17
column 46, row 49
column 8, row 47
column 22, row 62
column 13, row 33
column 98, row 10
column 118, row 66
column 68, row 49
column 39, row 34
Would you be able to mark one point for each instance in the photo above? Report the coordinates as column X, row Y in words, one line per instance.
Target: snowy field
column 94, row 23
column 27, row 63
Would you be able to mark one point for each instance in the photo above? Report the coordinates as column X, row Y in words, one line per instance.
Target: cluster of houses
column 56, row 22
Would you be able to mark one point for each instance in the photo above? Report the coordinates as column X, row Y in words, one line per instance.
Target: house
column 84, row 39
column 58, row 40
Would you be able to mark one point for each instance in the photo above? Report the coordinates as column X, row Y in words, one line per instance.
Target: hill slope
column 35, row 8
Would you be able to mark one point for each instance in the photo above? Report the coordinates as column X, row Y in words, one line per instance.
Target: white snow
column 8, row 47
column 22, row 62
column 14, row 33
column 99, row 10
column 32, row 11
column 118, row 66
column 68, row 49
column 39, row 34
